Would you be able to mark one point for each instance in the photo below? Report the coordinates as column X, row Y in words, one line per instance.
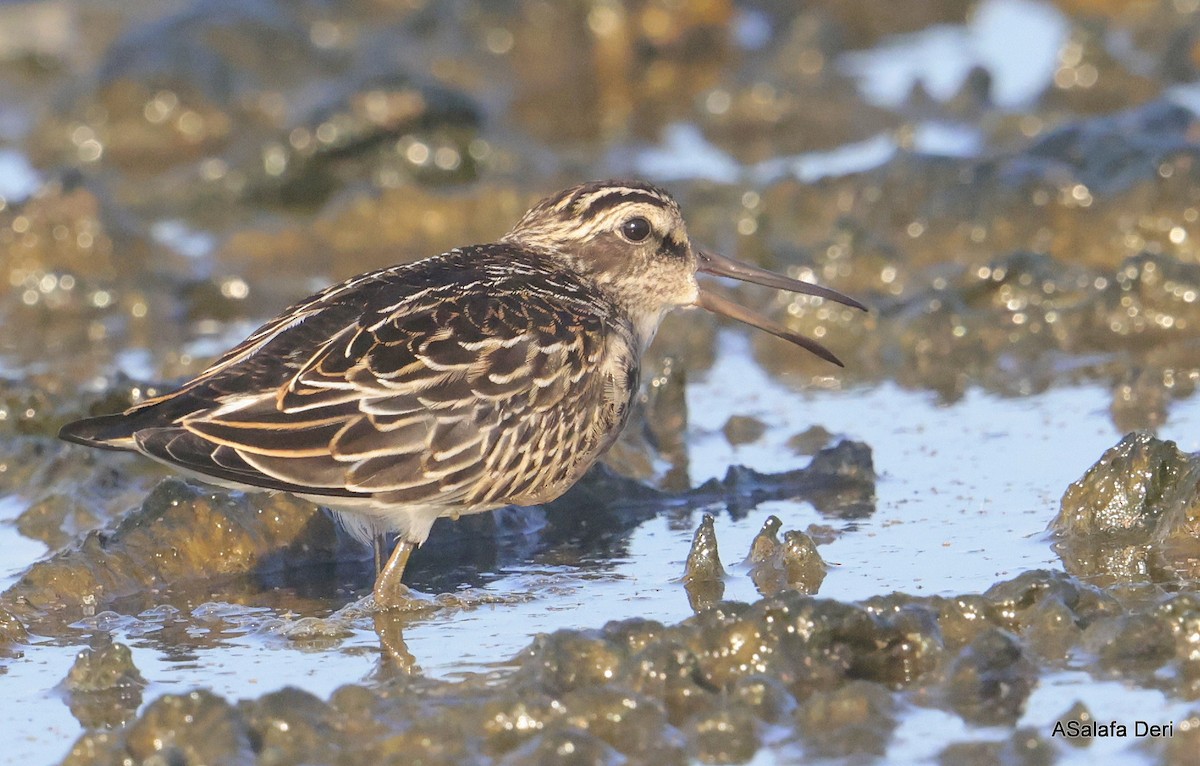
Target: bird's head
column 630, row 239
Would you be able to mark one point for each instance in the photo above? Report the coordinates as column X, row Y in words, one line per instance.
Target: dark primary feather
column 419, row 383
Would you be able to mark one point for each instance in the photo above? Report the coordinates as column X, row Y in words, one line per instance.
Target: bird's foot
column 405, row 599
column 398, row 597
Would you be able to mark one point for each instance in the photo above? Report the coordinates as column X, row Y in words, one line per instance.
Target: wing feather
column 362, row 438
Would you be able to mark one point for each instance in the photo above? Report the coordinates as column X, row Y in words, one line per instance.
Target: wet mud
column 173, row 174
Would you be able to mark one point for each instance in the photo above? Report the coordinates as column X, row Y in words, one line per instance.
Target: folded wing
column 402, row 388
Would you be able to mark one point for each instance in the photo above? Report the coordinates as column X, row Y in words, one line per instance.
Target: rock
column 704, row 577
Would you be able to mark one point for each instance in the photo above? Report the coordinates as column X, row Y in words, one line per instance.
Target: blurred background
column 1008, row 182
column 1011, row 185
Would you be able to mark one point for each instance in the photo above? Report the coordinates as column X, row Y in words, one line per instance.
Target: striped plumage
column 486, row 376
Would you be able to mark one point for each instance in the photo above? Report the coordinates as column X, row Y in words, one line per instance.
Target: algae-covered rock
column 181, row 533
column 991, row 679
column 197, row 727
column 727, row 734
column 104, row 687
column 830, row 677
column 194, row 728
column 12, row 633
column 1181, row 749
column 1134, row 515
column 703, row 576
column 765, row 544
column 743, row 429
column 563, row 744
column 855, row 719
column 104, row 668
column 1144, row 487
column 293, row 726
column 794, row 563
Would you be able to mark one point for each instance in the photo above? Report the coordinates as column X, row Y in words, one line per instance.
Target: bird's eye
column 636, row 229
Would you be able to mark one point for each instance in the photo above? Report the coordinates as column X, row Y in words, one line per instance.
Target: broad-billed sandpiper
column 486, row 376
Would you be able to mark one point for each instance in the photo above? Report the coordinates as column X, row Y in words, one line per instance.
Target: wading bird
column 486, row 376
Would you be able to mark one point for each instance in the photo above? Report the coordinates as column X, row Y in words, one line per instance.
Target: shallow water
column 963, row 499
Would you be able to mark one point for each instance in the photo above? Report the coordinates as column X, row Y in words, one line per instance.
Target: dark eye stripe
column 671, row 248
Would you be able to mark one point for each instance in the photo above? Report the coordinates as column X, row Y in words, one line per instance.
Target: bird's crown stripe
column 611, row 198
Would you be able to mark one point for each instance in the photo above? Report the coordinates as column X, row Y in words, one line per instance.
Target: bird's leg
column 389, row 591
column 379, row 547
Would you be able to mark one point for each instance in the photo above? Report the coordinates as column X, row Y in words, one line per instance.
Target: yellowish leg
column 389, row 591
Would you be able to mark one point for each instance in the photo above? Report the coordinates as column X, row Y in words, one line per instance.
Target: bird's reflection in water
column 394, row 657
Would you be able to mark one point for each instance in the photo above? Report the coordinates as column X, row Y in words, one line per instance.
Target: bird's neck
column 629, row 293
column 645, row 326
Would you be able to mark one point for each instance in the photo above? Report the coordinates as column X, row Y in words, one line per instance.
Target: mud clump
column 1181, row 749
column 773, row 565
column 104, row 686
column 991, row 679
column 293, row 726
column 67, row 491
column 1143, row 487
column 73, row 266
column 703, row 576
column 743, row 429
column 854, row 719
column 1134, row 515
column 835, row 674
column 1055, row 266
column 1026, row 747
column 810, row 441
column 793, row 563
column 180, row 533
column 839, row 482
column 187, row 108
column 12, row 634
column 198, row 727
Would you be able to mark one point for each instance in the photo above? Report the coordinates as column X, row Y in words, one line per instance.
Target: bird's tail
column 106, row 432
